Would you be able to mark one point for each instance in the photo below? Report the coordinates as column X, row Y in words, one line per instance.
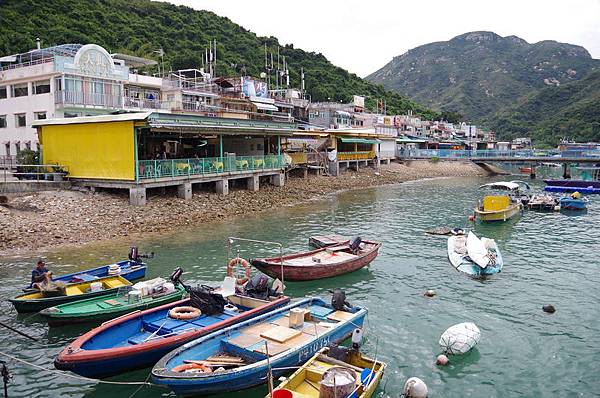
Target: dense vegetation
column 507, row 84
column 140, row 27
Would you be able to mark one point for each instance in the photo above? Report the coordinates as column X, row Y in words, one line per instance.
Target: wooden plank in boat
column 313, row 329
column 280, row 334
column 274, row 348
column 112, row 302
column 245, row 340
column 257, row 329
column 340, row 316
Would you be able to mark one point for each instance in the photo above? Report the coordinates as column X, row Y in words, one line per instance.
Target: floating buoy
column 460, row 338
column 471, row 218
column 429, row 293
column 442, row 360
column 549, row 308
column 415, row 388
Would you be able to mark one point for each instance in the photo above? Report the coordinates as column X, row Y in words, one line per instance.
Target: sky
column 363, row 36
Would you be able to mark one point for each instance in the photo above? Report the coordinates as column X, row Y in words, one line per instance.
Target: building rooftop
column 41, row 55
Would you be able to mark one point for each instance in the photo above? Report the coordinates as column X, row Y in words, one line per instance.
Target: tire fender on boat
column 185, row 312
column 247, row 269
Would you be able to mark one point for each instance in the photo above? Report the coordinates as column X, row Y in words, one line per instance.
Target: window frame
column 37, row 114
column 5, row 90
column 19, row 86
column 37, row 84
column 4, row 118
column 17, row 118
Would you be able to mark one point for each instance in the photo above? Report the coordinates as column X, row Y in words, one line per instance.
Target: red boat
column 525, row 169
column 321, row 263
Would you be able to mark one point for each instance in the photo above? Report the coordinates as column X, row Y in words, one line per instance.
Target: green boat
column 100, row 309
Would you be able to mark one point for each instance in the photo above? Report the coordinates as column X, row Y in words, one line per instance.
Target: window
column 7, row 148
column 57, row 84
column 28, row 145
column 2, row 121
column 20, row 120
column 2, row 92
column 67, row 114
column 41, row 87
column 20, row 90
column 40, row 115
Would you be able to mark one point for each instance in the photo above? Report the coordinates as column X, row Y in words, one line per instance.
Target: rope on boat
column 127, row 383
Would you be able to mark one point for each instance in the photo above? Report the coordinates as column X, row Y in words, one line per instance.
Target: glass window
column 2, row 121
column 41, row 87
column 7, row 148
column 67, row 114
column 40, row 115
column 20, row 120
column 20, row 90
column 57, row 84
column 3, row 92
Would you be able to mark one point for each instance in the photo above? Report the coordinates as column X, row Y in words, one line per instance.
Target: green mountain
column 140, row 27
column 570, row 111
column 480, row 73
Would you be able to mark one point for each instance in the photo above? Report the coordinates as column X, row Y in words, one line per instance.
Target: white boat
column 474, row 256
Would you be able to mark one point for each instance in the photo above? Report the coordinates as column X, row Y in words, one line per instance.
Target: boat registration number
column 309, row 350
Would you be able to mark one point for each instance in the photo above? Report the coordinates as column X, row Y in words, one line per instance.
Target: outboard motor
column 258, row 287
column 176, row 275
column 355, row 244
column 134, row 254
column 338, row 300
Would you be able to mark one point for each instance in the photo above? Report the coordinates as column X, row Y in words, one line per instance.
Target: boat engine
column 338, row 300
column 355, row 243
column 134, row 254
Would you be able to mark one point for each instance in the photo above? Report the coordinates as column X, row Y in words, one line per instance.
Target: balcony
column 137, row 103
column 96, row 100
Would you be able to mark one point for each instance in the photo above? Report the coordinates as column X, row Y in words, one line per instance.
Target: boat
column 542, row 202
column 128, row 269
column 320, row 263
column 590, row 178
column 572, row 203
column 239, row 356
column 305, row 382
column 500, row 207
column 474, row 256
column 320, row 241
column 587, row 190
column 126, row 300
column 139, row 339
column 38, row 300
column 525, row 170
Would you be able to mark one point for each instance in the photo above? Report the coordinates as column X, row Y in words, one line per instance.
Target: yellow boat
column 306, row 381
column 499, row 207
column 37, row 301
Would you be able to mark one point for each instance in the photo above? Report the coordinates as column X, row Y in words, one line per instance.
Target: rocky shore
column 49, row 219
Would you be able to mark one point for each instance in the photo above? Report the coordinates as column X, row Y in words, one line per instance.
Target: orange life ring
column 185, row 313
column 233, row 263
column 192, row 366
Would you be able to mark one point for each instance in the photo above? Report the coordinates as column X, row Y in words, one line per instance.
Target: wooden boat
column 319, row 241
column 251, row 347
column 320, row 263
column 38, row 300
column 139, row 339
column 542, row 202
column 500, row 207
column 99, row 309
column 304, row 383
column 474, row 256
column 128, row 269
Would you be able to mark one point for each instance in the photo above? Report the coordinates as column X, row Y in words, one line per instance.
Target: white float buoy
column 442, row 360
column 415, row 388
column 460, row 338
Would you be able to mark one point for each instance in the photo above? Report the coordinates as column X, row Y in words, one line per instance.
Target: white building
column 68, row 80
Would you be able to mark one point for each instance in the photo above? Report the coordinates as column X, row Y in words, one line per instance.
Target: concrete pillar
column 253, row 183
column 278, row 179
column 334, row 168
column 357, row 165
column 305, row 173
column 532, row 173
column 377, row 162
column 184, row 191
column 566, row 171
column 137, row 196
column 223, row 187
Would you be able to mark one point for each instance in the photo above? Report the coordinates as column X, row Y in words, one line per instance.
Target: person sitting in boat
column 40, row 276
column 575, row 195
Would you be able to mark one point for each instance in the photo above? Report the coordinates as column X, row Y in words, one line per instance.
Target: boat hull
column 498, row 215
column 254, row 374
column 573, row 183
column 112, row 361
column 587, row 191
column 572, row 204
column 464, row 264
column 298, row 273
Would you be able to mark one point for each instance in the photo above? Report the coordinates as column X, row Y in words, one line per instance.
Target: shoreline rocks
column 48, row 220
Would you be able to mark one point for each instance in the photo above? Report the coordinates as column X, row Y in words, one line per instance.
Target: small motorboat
column 474, row 256
column 306, row 381
column 320, row 241
column 240, row 356
column 321, row 263
column 573, row 202
column 126, row 300
column 40, row 299
column 525, row 170
column 500, row 207
column 139, row 339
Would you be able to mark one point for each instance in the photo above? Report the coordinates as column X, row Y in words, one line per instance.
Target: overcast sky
column 362, row 36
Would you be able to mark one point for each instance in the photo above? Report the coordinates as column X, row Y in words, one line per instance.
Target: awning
column 410, row 140
column 343, row 113
column 9, row 58
column 358, row 140
column 265, row 107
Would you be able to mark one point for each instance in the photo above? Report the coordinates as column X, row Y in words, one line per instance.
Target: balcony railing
column 145, row 103
column 161, row 168
column 360, row 155
column 88, row 99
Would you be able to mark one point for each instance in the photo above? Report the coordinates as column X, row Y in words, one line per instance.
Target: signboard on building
column 254, row 88
column 94, row 61
column 358, row 101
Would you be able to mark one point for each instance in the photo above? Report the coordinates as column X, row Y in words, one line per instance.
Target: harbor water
column 550, row 258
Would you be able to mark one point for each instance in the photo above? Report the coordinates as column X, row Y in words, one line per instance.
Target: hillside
column 140, row 26
column 479, row 73
column 569, row 111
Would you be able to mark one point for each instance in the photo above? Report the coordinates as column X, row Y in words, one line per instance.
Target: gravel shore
column 57, row 218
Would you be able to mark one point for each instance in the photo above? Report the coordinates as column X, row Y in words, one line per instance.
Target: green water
column 549, row 258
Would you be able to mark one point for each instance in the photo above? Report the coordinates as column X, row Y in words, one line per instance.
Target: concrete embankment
column 50, row 219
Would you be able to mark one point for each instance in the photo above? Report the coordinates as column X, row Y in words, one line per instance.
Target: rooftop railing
column 482, row 154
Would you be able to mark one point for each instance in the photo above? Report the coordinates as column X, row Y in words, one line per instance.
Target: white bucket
column 168, row 287
column 114, row 269
column 95, row 286
column 134, row 296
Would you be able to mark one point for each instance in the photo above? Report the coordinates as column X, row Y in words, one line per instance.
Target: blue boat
column 568, row 203
column 587, row 190
column 128, row 269
column 251, row 343
column 139, row 339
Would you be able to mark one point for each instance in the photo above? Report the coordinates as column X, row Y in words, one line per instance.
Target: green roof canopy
column 360, row 140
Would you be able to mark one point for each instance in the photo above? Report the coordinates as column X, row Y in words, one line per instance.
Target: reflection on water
column 549, row 258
